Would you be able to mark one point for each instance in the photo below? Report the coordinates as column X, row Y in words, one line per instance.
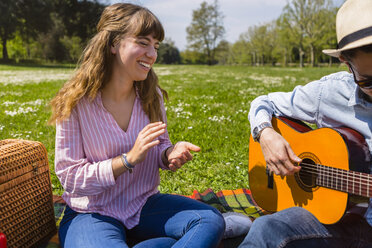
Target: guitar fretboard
column 352, row 182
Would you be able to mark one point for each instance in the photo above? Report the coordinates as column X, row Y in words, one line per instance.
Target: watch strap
column 258, row 129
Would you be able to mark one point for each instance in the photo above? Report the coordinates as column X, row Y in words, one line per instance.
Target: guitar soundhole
column 306, row 177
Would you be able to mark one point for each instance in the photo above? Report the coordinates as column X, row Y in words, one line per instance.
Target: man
column 339, row 99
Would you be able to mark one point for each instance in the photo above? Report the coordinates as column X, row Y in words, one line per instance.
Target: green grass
column 207, row 106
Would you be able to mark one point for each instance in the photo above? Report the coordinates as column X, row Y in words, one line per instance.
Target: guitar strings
column 320, row 168
column 350, row 187
column 330, row 173
column 338, row 174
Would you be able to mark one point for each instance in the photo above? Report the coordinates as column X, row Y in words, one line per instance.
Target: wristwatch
column 257, row 130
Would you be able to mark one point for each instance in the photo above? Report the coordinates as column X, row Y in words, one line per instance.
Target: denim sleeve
column 302, row 103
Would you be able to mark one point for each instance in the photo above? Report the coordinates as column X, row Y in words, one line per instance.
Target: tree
column 27, row 17
column 240, row 52
column 285, row 39
column 263, row 40
column 168, row 53
column 222, row 52
column 206, row 30
column 79, row 17
column 53, row 47
column 304, row 19
column 192, row 57
column 8, row 23
column 328, row 39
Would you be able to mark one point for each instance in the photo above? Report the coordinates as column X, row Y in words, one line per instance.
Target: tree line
column 46, row 30
column 304, row 28
column 58, row 30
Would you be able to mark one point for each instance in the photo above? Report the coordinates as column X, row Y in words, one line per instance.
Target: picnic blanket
column 239, row 200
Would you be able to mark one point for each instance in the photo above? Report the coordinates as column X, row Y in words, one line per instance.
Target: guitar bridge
column 270, row 179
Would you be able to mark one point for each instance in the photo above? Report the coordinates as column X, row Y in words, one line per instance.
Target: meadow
column 208, row 106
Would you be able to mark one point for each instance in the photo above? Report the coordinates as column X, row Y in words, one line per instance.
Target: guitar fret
column 353, row 191
column 368, row 179
column 347, row 184
column 338, row 179
column 342, row 180
column 360, row 183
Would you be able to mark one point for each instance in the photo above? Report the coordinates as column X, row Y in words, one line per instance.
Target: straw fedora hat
column 353, row 26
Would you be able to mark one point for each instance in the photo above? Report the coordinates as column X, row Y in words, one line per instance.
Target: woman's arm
column 76, row 174
column 164, row 141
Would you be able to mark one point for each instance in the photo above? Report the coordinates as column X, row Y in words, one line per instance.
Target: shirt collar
column 359, row 98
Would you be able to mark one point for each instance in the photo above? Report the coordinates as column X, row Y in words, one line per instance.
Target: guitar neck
column 352, row 182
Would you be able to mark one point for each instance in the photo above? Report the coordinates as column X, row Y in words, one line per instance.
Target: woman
column 112, row 139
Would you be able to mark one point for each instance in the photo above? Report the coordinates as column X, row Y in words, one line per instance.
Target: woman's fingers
column 188, row 156
column 151, row 133
column 148, row 126
column 151, row 144
column 192, row 147
column 175, row 164
column 153, row 127
column 151, row 136
column 181, row 154
column 146, row 139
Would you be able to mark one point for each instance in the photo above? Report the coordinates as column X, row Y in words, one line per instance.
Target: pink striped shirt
column 86, row 143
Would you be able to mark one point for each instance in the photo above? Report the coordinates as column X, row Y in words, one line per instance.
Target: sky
column 239, row 15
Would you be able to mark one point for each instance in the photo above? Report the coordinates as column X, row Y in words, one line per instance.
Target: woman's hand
column 278, row 154
column 145, row 141
column 179, row 154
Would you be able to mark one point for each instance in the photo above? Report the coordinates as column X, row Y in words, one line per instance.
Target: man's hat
column 353, row 26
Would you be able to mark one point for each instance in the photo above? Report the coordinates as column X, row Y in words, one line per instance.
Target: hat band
column 360, row 34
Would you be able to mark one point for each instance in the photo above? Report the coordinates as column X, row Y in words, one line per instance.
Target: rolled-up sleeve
column 76, row 174
column 302, row 103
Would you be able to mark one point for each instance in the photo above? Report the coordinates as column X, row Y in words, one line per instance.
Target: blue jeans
column 297, row 227
column 165, row 221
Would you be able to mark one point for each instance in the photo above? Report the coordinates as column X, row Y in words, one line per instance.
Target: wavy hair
column 95, row 65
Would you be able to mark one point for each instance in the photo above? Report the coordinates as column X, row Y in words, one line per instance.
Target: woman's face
column 134, row 56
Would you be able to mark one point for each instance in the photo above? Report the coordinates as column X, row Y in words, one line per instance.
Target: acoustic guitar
column 335, row 163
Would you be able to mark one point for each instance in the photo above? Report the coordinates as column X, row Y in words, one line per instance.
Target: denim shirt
column 333, row 101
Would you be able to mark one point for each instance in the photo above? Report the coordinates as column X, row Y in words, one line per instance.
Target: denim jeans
column 165, row 221
column 297, row 227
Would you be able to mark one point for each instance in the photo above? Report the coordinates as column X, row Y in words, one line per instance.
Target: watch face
column 257, row 130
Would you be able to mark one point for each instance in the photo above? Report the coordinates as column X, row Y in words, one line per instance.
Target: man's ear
column 342, row 59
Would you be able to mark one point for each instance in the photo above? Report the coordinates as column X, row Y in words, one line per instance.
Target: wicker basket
column 26, row 206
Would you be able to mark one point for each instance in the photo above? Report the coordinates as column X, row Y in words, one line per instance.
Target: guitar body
column 325, row 146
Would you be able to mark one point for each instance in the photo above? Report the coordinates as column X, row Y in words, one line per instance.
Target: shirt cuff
column 106, row 174
column 261, row 117
column 161, row 163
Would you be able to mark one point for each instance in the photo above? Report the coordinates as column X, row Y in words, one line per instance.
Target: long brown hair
column 95, row 65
